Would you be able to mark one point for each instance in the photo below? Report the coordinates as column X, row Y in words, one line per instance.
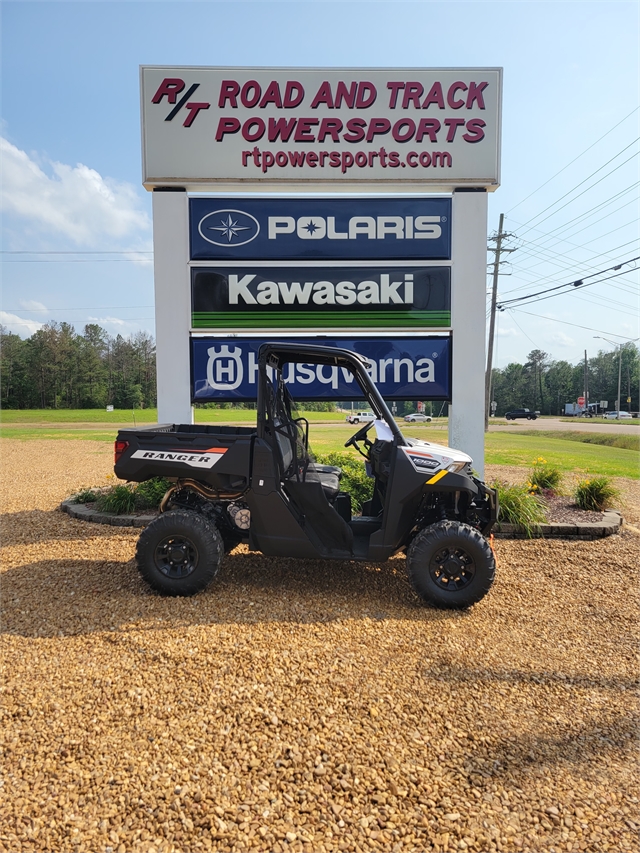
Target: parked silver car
column 417, row 417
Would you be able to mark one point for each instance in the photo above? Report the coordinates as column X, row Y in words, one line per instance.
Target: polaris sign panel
column 226, row 370
column 333, row 127
column 314, row 229
column 320, row 297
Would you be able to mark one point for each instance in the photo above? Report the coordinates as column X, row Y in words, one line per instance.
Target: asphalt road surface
column 630, row 427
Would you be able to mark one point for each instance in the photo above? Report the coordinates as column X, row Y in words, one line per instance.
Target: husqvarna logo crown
column 225, row 370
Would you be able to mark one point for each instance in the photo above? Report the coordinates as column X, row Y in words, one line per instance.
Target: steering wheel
column 361, row 435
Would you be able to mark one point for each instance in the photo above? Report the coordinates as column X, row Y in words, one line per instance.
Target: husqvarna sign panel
column 257, row 296
column 312, row 228
column 338, row 127
column 226, row 370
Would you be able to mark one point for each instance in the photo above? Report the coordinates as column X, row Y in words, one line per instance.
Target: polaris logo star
column 229, row 228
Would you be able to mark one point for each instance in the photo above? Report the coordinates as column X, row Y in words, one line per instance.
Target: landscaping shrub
column 149, row 494
column 544, row 476
column 596, row 493
column 85, row 496
column 354, row 477
column 119, row 499
column 518, row 506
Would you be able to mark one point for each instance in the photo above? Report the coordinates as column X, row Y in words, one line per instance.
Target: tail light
column 119, row 449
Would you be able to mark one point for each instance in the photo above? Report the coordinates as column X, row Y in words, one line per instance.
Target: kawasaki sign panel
column 313, row 229
column 226, row 370
column 320, row 297
column 343, row 128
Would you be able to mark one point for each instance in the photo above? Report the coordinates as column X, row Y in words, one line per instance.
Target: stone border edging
column 86, row 513
column 610, row 524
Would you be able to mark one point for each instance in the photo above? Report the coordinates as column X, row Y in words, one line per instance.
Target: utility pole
column 500, row 236
column 586, row 382
column 619, row 379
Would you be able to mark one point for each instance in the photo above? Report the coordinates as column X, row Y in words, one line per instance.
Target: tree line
column 59, row 368
column 545, row 385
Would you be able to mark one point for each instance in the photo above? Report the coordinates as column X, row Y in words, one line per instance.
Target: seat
column 304, row 470
column 327, row 475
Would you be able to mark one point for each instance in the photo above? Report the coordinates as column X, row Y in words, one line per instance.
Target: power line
column 77, row 261
column 550, row 260
column 74, row 308
column 523, row 331
column 574, row 160
column 604, row 177
column 577, row 283
column 69, row 252
column 562, row 266
column 552, row 295
column 533, row 249
column 566, row 323
column 590, row 212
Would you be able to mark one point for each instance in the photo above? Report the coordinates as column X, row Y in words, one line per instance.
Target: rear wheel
column 179, row 553
column 450, row 565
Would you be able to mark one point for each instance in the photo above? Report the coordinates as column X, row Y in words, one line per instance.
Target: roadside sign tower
column 379, row 244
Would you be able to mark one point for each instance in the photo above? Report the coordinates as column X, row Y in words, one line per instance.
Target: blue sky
column 71, row 143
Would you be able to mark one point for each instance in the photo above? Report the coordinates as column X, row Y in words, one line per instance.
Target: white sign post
column 382, row 131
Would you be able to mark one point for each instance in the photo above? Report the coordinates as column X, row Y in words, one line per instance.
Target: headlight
column 455, row 467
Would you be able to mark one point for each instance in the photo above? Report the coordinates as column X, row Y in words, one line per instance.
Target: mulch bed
column 562, row 510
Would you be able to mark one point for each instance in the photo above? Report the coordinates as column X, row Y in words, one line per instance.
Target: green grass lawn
column 329, row 432
column 519, row 449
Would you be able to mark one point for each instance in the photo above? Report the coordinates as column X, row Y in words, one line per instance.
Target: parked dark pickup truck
column 262, row 485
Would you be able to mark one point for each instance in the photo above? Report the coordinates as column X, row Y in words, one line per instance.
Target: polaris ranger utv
column 262, row 485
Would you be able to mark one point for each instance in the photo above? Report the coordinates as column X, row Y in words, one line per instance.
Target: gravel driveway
column 308, row 706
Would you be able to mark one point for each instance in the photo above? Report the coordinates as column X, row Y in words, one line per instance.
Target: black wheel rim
column 452, row 568
column 176, row 557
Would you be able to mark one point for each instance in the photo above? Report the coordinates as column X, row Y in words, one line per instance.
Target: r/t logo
column 170, row 88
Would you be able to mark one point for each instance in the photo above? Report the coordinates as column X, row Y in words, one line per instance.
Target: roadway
column 629, row 427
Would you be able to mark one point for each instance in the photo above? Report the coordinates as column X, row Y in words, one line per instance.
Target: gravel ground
column 308, row 706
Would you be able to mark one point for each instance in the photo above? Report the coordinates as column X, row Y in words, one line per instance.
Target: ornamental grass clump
column 118, row 500
column 85, row 496
column 149, row 494
column 596, row 494
column 122, row 499
column 520, row 507
column 544, row 477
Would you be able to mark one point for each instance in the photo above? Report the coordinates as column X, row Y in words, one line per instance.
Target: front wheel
column 450, row 565
column 179, row 553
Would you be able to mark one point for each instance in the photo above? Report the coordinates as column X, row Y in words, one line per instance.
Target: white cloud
column 117, row 326
column 15, row 324
column 32, row 305
column 562, row 340
column 114, row 321
column 76, row 202
column 507, row 333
